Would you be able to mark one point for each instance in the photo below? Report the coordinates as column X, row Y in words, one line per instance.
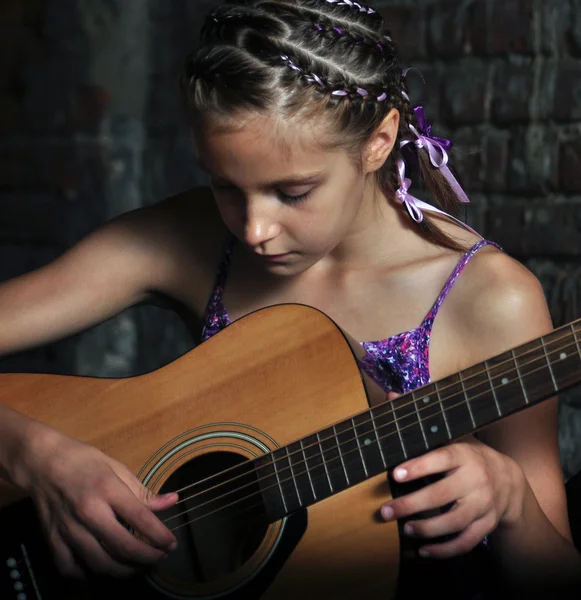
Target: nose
column 260, row 223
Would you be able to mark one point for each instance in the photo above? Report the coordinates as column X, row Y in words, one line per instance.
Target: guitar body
column 275, row 376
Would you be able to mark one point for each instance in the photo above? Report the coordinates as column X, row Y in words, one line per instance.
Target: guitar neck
column 338, row 457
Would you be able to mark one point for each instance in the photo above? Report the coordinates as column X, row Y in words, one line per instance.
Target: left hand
column 486, row 487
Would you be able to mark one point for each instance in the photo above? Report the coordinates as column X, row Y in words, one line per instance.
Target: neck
column 377, row 221
column 330, row 461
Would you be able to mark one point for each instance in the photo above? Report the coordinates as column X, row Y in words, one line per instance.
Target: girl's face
column 287, row 199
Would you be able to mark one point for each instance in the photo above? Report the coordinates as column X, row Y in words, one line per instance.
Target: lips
column 274, row 257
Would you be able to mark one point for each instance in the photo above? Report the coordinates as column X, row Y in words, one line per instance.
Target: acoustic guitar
column 279, row 448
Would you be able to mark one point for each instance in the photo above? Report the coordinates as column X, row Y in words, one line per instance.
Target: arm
column 506, row 484
column 536, row 546
column 77, row 489
column 111, row 269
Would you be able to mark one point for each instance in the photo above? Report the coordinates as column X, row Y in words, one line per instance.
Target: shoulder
column 502, row 306
column 171, row 245
column 499, row 304
column 191, row 215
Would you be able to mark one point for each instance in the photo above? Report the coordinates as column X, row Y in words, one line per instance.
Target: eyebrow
column 291, row 180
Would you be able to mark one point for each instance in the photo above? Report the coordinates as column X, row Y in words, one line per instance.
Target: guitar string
column 278, row 484
column 307, row 470
column 353, row 429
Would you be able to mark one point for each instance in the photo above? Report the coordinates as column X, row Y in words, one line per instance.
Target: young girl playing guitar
column 300, row 114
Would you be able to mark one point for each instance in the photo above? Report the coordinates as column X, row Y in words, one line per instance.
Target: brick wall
column 74, row 92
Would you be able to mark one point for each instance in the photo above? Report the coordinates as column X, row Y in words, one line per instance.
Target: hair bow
column 414, row 205
column 437, row 149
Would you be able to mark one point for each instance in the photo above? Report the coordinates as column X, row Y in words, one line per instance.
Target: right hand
column 81, row 494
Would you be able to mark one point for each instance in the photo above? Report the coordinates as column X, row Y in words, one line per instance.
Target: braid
column 297, row 58
column 407, row 118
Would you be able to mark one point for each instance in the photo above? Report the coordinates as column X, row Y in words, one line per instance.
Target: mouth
column 274, row 257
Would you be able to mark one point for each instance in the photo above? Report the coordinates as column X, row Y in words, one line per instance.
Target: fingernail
column 408, row 529
column 423, row 553
column 173, row 546
column 387, row 512
column 400, row 474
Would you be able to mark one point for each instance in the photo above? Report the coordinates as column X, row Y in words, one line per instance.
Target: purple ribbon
column 411, row 203
column 426, row 129
column 415, row 206
column 354, row 4
column 437, row 149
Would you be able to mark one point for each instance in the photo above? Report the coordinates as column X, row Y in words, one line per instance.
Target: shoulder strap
column 428, row 321
column 215, row 312
column 224, row 264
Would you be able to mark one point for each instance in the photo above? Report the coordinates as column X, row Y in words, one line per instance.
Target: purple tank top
column 399, row 363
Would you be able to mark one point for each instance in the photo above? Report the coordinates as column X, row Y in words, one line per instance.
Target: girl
column 300, row 115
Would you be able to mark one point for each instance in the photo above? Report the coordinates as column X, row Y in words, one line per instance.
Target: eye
column 295, row 199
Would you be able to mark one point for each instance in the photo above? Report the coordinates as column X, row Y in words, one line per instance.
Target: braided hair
column 304, row 58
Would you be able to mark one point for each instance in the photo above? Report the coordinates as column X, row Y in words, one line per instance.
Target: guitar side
column 269, row 379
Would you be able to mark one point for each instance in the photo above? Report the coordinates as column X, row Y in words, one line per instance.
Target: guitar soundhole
column 219, row 521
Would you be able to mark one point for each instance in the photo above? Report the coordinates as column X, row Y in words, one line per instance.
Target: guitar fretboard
column 338, row 457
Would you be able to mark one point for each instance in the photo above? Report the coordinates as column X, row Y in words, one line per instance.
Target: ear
column 381, row 143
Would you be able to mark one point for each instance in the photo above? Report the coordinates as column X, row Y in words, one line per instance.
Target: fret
column 336, row 469
column 282, row 494
column 555, row 386
column 506, row 383
column 388, row 434
column 575, row 338
column 461, row 378
column 443, row 410
column 299, row 471
column 453, row 401
column 369, row 443
column 409, row 426
column 340, row 453
column 286, row 482
column 349, row 444
column 535, row 371
column 271, row 491
column 308, row 471
column 396, row 421
column 563, row 357
column 292, row 476
column 480, row 395
column 420, row 421
column 358, row 442
column 432, row 417
column 379, row 445
column 325, row 463
column 492, row 389
column 316, row 467
column 518, row 373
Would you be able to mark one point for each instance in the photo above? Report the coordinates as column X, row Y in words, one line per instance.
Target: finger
column 157, row 502
column 436, row 495
column 141, row 519
column 442, row 460
column 463, row 543
column 120, row 543
column 62, row 555
column 93, row 554
column 64, row 559
column 455, row 520
column 154, row 502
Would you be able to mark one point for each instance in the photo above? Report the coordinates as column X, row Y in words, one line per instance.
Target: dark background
column 90, row 127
